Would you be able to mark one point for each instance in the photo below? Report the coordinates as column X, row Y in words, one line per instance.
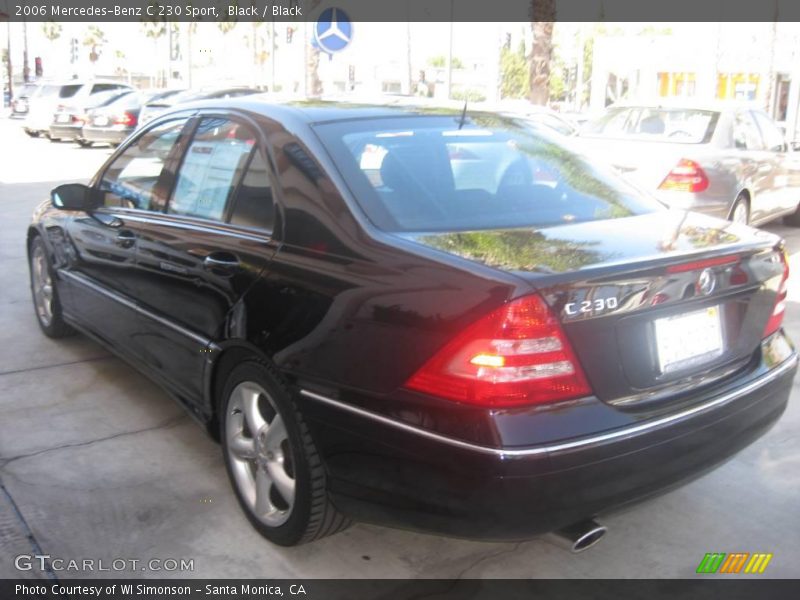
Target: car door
column 786, row 168
column 103, row 243
column 757, row 166
column 197, row 259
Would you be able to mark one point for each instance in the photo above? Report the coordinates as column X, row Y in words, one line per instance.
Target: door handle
column 126, row 238
column 221, row 263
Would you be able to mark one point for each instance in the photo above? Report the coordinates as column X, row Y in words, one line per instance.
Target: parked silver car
column 729, row 161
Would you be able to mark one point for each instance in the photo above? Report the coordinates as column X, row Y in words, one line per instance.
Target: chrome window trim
column 618, row 434
column 83, row 280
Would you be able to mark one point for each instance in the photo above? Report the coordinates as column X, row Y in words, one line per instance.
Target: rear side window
column 69, row 91
column 745, row 133
column 254, row 205
column 132, row 180
column 212, row 166
column 437, row 174
column 104, row 87
column 773, row 138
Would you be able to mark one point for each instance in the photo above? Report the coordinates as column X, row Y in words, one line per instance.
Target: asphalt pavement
column 96, row 462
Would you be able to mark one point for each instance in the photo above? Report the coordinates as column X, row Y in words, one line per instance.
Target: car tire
column 740, row 212
column 793, row 219
column 32, row 133
column 46, row 302
column 53, row 139
column 84, row 143
column 272, row 462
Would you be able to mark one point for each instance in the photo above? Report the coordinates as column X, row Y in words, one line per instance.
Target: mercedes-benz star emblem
column 706, row 282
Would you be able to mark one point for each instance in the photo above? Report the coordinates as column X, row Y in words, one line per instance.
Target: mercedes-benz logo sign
column 706, row 282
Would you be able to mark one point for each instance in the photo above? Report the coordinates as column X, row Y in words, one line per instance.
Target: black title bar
column 402, row 11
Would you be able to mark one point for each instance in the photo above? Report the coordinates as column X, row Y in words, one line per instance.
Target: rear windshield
column 428, row 174
column 685, row 125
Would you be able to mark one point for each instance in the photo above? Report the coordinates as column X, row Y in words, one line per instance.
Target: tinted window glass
column 773, row 138
column 132, row 180
column 427, row 174
column 68, row 91
column 104, row 87
column 254, row 204
column 211, row 168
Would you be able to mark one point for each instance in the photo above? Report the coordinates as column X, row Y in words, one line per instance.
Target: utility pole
column 579, row 71
column 449, row 84
column 8, row 65
column 26, row 71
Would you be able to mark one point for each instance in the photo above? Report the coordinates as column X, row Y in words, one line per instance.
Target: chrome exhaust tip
column 580, row 536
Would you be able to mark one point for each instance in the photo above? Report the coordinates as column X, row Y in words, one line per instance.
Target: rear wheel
column 793, row 219
column 740, row 213
column 272, row 461
column 32, row 133
column 84, row 143
column 45, row 294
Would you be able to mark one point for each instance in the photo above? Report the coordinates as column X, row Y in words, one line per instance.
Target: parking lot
column 96, row 462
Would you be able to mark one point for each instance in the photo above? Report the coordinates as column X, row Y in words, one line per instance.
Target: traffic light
column 38, row 66
column 73, row 50
column 289, row 34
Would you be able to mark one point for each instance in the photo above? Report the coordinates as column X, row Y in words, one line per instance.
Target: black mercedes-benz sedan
column 445, row 321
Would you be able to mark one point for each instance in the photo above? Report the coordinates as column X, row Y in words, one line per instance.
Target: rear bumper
column 65, row 132
column 396, row 476
column 105, row 135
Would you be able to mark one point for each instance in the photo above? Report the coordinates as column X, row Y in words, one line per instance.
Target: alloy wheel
column 42, row 286
column 740, row 213
column 260, row 456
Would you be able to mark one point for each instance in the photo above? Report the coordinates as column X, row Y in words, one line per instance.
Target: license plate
column 689, row 339
column 62, row 118
column 101, row 121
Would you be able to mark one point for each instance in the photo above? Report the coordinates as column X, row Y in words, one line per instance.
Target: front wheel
column 272, row 461
column 45, row 294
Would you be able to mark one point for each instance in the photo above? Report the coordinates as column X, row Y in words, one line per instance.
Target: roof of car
column 690, row 104
column 322, row 111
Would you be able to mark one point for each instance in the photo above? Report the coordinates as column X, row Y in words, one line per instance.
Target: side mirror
column 73, row 196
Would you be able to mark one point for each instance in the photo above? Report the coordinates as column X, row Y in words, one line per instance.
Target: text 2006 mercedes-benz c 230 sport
column 441, row 321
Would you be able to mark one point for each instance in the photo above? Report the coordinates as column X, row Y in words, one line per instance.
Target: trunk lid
column 653, row 305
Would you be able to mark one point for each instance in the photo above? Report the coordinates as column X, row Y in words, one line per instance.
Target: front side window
column 212, row 166
column 437, row 174
column 132, row 180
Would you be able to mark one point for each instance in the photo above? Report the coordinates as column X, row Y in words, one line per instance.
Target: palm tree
column 94, row 39
column 155, row 28
column 52, row 30
column 544, row 13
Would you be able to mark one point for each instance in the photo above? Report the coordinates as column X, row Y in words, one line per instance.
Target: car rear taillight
column 127, row 119
column 776, row 318
column 516, row 355
column 686, row 176
column 77, row 119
